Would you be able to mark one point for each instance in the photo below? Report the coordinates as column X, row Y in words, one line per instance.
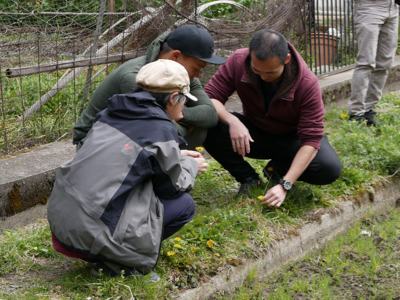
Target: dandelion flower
column 177, row 239
column 210, row 243
column 200, row 149
column 270, row 168
column 260, row 197
column 170, row 253
column 193, row 249
column 177, row 246
column 343, row 116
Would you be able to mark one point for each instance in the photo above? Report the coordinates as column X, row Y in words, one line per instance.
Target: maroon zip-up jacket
column 296, row 107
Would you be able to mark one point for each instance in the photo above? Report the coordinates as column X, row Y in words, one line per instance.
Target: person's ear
column 172, row 98
column 287, row 59
column 175, row 55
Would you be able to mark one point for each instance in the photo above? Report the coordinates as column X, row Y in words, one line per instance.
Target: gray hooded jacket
column 105, row 201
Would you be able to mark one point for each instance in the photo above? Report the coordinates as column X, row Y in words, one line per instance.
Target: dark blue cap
column 194, row 41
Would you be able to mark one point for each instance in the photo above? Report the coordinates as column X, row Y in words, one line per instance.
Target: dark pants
column 177, row 212
column 325, row 168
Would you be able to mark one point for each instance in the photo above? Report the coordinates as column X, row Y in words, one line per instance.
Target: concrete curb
column 310, row 236
column 27, row 180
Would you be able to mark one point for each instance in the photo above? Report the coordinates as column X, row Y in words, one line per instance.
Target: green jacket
column 198, row 114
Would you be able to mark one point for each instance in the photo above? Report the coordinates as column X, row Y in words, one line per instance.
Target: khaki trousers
column 376, row 25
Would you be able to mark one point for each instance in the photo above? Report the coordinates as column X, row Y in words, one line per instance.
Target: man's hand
column 201, row 162
column 240, row 136
column 191, row 153
column 275, row 196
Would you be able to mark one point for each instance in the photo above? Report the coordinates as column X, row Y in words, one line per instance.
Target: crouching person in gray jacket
column 126, row 188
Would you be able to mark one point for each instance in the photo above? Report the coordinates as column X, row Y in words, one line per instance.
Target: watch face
column 286, row 184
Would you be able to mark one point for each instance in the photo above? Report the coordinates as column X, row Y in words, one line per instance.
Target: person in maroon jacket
column 282, row 118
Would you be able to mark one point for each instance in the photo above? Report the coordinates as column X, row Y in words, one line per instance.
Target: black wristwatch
column 287, row 185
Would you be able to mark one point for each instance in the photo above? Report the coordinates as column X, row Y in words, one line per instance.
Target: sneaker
column 247, row 185
column 358, row 119
column 114, row 270
column 370, row 117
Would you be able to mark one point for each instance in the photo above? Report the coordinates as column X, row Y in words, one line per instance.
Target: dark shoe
column 371, row 118
column 247, row 185
column 114, row 270
column 358, row 119
column 271, row 174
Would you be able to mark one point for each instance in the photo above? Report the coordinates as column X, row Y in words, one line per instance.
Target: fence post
column 99, row 25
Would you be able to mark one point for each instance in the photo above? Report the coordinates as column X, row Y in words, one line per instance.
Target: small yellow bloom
column 193, row 249
column 355, row 134
column 259, row 167
column 177, row 246
column 200, row 149
column 177, row 239
column 210, row 243
column 270, row 168
column 260, row 197
column 343, row 116
column 170, row 253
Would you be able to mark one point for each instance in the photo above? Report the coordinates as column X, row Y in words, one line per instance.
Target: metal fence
column 53, row 57
column 331, row 44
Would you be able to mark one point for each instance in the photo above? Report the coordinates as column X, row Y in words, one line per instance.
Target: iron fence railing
column 330, row 33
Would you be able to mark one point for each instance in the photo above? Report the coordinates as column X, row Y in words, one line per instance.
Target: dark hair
column 163, row 98
column 165, row 48
column 268, row 43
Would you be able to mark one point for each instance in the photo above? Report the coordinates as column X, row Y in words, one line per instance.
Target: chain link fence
column 54, row 54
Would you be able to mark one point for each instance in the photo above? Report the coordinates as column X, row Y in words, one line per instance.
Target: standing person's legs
column 367, row 24
column 177, row 212
column 387, row 45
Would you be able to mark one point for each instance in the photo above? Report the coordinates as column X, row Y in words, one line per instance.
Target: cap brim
column 214, row 59
column 191, row 97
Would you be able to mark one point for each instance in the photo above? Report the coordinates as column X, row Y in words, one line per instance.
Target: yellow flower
column 355, row 134
column 210, row 243
column 177, row 239
column 270, row 168
column 193, row 249
column 260, row 197
column 177, row 246
column 259, row 167
column 170, row 253
column 343, row 116
column 200, row 149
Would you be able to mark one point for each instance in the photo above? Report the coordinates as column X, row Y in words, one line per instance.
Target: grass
column 361, row 264
column 225, row 231
column 55, row 118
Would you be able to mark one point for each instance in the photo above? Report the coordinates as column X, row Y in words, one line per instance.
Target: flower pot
column 324, row 48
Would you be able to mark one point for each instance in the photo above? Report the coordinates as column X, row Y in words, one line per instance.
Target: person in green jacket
column 189, row 45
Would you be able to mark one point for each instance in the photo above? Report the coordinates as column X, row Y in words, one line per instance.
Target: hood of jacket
column 138, row 105
column 154, row 49
column 293, row 73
